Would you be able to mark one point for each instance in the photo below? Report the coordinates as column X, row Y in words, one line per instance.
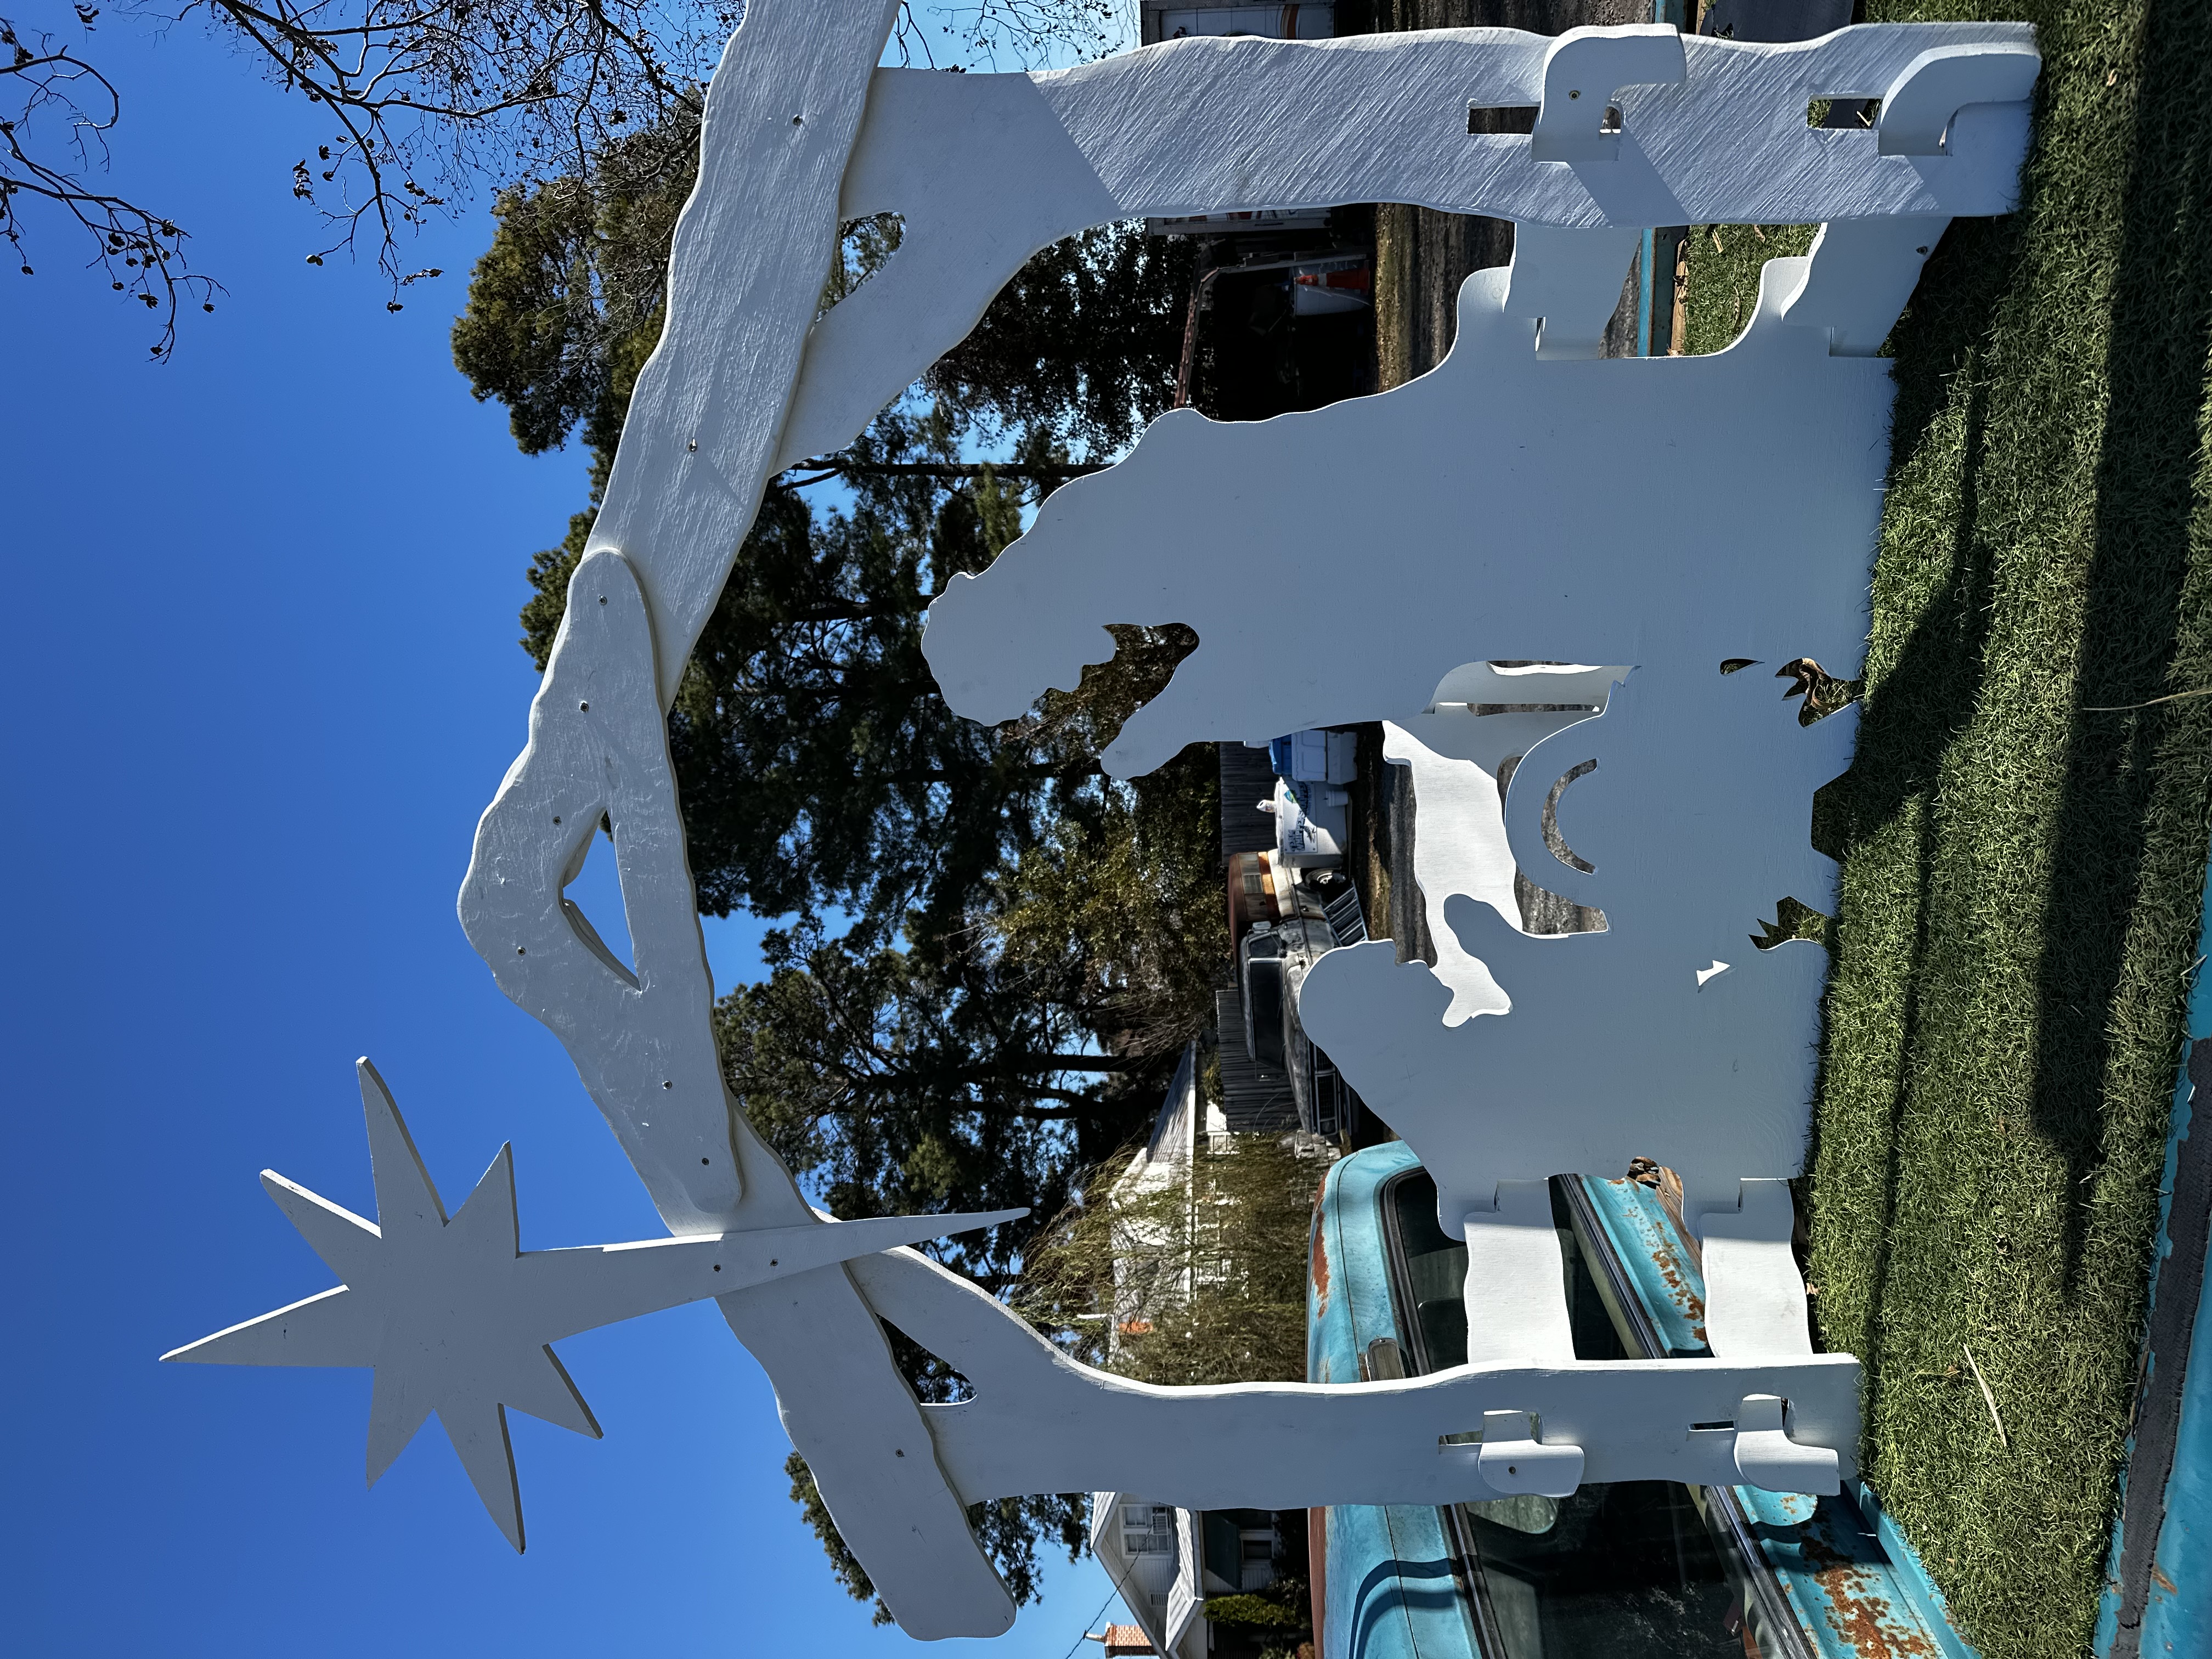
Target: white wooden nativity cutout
column 1492, row 546
column 455, row 1317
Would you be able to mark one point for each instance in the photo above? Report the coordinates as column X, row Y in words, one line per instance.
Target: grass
column 1725, row 261
column 2023, row 841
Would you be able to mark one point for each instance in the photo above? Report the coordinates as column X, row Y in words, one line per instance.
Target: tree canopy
column 988, row 1067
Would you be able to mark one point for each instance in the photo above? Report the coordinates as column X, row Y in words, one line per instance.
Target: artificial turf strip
column 2021, row 870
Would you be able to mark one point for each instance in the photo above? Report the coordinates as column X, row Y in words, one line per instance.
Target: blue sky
column 262, row 677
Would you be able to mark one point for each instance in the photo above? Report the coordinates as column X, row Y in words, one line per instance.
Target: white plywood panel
column 642, row 1040
column 1922, row 108
column 1512, row 1460
column 1454, row 757
column 1491, row 544
column 1754, row 1298
column 1193, row 127
column 1197, row 126
column 959, row 246
column 1568, row 282
column 1623, row 1044
column 841, row 1400
column 1663, row 1036
column 1515, row 1313
column 642, row 1036
column 1039, row 1422
column 1584, row 70
column 456, row 1318
column 1766, row 1456
column 1459, row 847
column 1533, row 571
column 1860, row 275
column 753, row 249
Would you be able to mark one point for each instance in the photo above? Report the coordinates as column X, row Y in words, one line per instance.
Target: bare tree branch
column 1025, row 33
column 428, row 101
column 44, row 87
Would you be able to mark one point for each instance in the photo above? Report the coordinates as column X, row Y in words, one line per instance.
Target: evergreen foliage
column 1258, row 1612
column 985, row 1066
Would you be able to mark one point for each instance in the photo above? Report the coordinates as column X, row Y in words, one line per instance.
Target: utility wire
column 1119, row 1588
column 1085, row 1634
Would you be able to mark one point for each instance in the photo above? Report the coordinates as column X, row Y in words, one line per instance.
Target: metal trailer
column 1632, row 1569
column 2158, row 1576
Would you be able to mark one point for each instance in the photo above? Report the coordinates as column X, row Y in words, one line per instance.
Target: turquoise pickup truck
column 1619, row 1571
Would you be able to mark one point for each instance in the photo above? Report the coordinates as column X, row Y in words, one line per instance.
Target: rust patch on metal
column 1666, row 1185
column 1857, row 1606
column 1319, row 1274
column 1693, row 1304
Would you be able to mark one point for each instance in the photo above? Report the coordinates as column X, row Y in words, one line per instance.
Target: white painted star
column 458, row 1320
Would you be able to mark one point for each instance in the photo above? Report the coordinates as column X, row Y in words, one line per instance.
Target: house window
column 1147, row 1530
column 1259, row 1561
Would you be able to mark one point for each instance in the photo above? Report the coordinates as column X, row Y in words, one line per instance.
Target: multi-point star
column 457, row 1319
